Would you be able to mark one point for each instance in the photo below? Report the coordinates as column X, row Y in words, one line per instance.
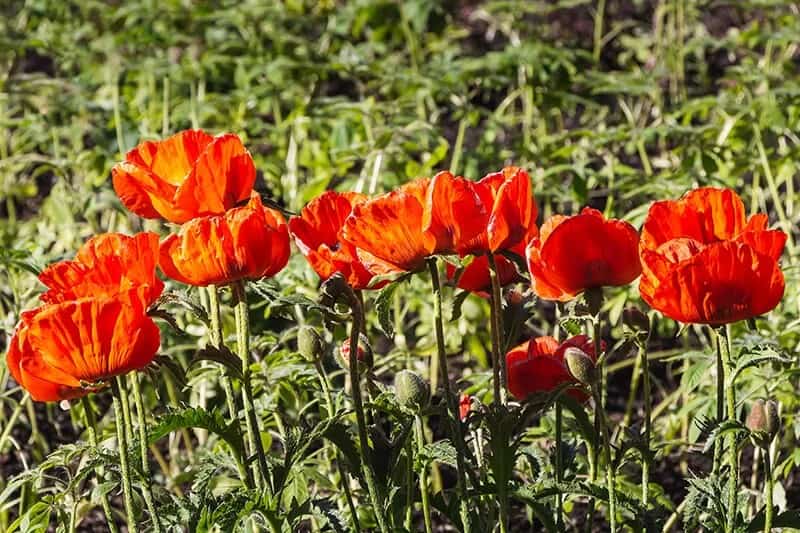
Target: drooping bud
column 310, row 344
column 333, row 288
column 363, row 354
column 412, row 391
column 580, row 365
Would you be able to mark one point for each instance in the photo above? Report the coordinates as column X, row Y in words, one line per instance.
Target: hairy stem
column 122, row 444
column 261, row 470
column 419, row 434
column 733, row 451
column 456, row 433
column 645, row 368
column 768, row 485
column 498, row 358
column 147, row 492
column 91, row 432
column 559, row 470
column 361, row 421
column 215, row 334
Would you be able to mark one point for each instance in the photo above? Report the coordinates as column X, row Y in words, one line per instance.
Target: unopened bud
column 412, row 391
column 464, row 406
column 580, row 365
column 763, row 421
column 363, row 353
column 332, row 288
column 310, row 344
column 773, row 417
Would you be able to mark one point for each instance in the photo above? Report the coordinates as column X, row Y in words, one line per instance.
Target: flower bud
column 310, row 344
column 364, row 353
column 333, row 288
column 580, row 365
column 412, row 391
column 773, row 417
column 757, row 417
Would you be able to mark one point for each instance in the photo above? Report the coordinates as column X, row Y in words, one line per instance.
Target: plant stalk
column 499, row 361
column 361, row 421
column 768, row 486
column 147, row 491
column 91, row 432
column 559, row 469
column 122, row 445
column 724, row 341
column 455, row 422
column 645, row 367
column 256, row 447
column 215, row 334
column 419, row 434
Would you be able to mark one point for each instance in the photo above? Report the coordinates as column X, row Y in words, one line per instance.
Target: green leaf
column 195, row 417
column 383, row 308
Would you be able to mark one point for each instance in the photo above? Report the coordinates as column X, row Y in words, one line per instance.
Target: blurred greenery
column 611, row 104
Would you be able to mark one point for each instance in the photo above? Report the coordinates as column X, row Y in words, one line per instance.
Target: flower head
column 538, row 365
column 249, row 242
column 107, row 264
column 585, row 251
column 66, row 350
column 705, row 262
column 189, row 175
column 318, row 234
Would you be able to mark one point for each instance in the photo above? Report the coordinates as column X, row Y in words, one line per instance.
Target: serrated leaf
column 195, row 417
column 383, row 308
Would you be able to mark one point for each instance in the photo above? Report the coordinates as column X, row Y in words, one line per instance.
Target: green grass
column 643, row 103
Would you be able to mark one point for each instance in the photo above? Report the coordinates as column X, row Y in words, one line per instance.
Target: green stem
column 423, row 475
column 122, row 444
column 559, row 470
column 358, row 407
column 216, row 337
column 215, row 334
column 610, row 477
column 733, row 452
column 645, row 366
column 720, row 407
column 768, row 485
column 598, row 29
column 147, row 480
column 499, row 361
column 455, row 421
column 256, row 447
column 91, row 431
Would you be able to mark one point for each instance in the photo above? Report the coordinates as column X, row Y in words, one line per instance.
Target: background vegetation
column 607, row 103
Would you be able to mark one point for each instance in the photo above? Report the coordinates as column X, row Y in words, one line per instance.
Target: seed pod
column 580, row 365
column 412, row 391
column 310, row 344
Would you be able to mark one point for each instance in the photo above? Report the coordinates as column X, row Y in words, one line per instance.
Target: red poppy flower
column 582, row 252
column 66, row 350
column 186, row 176
column 538, row 365
column 395, row 232
column 106, row 265
column 476, row 278
column 705, row 262
column 318, row 234
column 248, row 242
column 508, row 219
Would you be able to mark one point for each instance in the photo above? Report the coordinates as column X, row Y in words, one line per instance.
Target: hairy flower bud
column 412, row 391
column 763, row 421
column 773, row 418
column 580, row 365
column 310, row 343
column 634, row 318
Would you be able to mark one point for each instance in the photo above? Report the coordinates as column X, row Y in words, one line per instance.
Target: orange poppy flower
column 318, row 234
column 705, row 262
column 106, row 265
column 66, row 350
column 395, row 232
column 508, row 218
column 248, row 242
column 189, row 175
column 582, row 252
column 538, row 365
